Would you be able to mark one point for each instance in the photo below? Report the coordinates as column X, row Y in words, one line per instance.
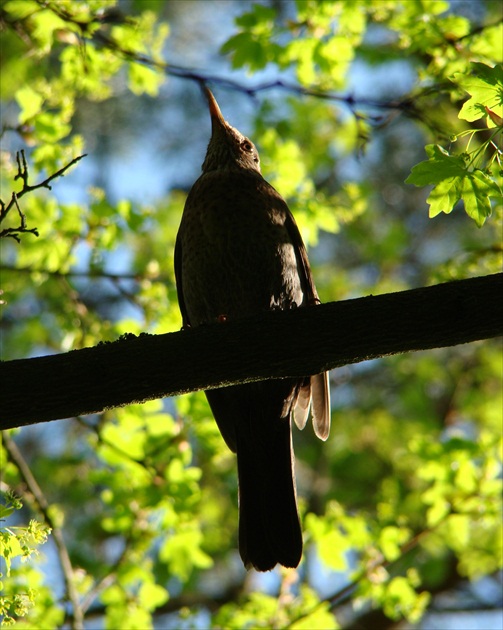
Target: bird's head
column 228, row 148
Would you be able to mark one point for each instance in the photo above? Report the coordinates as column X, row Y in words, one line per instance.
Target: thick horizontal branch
column 274, row 345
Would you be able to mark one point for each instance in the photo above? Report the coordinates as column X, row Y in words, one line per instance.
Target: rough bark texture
column 136, row 369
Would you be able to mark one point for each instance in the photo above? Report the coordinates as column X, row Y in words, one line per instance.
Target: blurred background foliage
column 401, row 507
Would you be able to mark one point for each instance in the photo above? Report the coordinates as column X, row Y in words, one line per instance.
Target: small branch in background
column 22, row 174
column 89, row 274
column 22, row 227
column 113, row 279
column 405, row 104
column 345, row 594
column 64, row 557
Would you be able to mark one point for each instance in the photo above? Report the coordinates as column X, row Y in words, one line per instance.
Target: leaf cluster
column 408, row 487
column 474, row 175
column 17, row 543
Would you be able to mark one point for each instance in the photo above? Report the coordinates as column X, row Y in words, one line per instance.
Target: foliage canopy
column 404, row 500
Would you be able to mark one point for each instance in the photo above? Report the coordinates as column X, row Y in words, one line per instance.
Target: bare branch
column 22, row 174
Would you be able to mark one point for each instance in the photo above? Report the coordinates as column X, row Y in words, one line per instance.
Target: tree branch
column 22, row 174
column 276, row 344
column 62, row 551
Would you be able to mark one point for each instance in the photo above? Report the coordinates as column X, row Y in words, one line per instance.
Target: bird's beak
column 216, row 115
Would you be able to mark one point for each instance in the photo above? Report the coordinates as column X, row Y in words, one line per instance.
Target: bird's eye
column 246, row 145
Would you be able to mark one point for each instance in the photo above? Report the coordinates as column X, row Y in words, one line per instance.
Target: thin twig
column 45, row 183
column 106, row 580
column 22, row 174
column 90, row 274
column 64, row 557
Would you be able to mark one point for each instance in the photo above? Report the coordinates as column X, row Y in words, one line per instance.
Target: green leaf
column 391, row 539
column 402, row 600
column 439, row 166
column 182, row 552
column 144, row 80
column 51, row 127
column 257, row 16
column 45, row 24
column 245, row 50
column 20, row 9
column 489, row 44
column 485, row 87
column 331, row 550
column 30, row 103
column 458, row 531
column 152, row 596
column 310, row 613
column 453, row 181
column 445, row 196
column 5, row 511
column 477, row 187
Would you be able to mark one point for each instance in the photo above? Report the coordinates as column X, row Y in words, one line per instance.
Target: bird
column 239, row 253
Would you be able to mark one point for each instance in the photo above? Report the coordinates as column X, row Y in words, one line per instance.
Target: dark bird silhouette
column 239, row 253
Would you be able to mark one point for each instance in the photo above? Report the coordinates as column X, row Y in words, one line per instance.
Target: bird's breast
column 237, row 256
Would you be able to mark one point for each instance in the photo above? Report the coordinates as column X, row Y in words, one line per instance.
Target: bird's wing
column 320, row 393
column 306, row 277
column 178, row 279
column 317, row 392
column 301, row 409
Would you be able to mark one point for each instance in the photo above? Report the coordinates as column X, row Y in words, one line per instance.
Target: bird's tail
column 269, row 528
column 255, row 420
